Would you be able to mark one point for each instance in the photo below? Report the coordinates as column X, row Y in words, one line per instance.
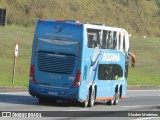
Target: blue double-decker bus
column 79, row 61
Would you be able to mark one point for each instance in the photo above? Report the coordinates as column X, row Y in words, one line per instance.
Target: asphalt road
column 136, row 100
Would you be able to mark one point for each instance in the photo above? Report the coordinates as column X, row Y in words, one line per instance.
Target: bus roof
column 87, row 25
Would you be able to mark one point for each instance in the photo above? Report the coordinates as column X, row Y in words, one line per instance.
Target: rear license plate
column 52, row 93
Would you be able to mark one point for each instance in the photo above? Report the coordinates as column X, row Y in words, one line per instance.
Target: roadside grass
column 9, row 36
column 146, row 71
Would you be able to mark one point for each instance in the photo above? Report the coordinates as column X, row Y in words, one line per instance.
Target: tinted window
column 109, row 72
column 93, row 38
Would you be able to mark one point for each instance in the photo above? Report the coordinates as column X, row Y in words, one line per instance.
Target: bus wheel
column 91, row 98
column 84, row 103
column 116, row 98
column 111, row 102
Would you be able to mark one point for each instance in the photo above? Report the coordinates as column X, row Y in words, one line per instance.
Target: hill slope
column 140, row 17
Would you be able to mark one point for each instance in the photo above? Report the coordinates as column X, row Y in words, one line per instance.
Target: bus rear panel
column 55, row 64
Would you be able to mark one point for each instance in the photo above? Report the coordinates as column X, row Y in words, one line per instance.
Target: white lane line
column 148, row 118
column 141, row 105
column 134, row 106
column 143, row 90
column 79, row 110
column 14, row 93
column 127, row 96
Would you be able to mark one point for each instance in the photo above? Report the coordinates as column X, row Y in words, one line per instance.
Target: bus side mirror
column 133, row 59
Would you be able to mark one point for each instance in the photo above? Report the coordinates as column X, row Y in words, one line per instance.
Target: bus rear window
column 110, row 72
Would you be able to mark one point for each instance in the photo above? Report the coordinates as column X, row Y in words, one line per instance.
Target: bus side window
column 118, row 73
column 110, row 40
column 101, row 72
column 99, row 34
column 126, row 42
column 119, row 46
column 114, row 40
column 93, row 38
column 101, row 39
column 94, row 41
column 104, row 40
column 110, row 72
column 89, row 44
column 124, row 45
column 107, row 39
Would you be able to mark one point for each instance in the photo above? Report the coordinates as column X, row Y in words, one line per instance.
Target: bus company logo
column 57, row 29
column 111, row 57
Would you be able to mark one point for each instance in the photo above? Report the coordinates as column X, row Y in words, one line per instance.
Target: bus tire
column 111, row 102
column 91, row 98
column 84, row 103
column 116, row 98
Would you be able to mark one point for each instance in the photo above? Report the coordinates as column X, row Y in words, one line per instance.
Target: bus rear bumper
column 62, row 94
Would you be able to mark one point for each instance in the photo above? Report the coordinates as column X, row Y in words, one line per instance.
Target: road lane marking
column 134, row 106
column 141, row 105
column 14, row 93
column 79, row 110
column 127, row 96
column 148, row 118
column 143, row 90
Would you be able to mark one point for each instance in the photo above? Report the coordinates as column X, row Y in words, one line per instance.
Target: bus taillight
column 32, row 74
column 78, row 23
column 77, row 82
column 41, row 20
